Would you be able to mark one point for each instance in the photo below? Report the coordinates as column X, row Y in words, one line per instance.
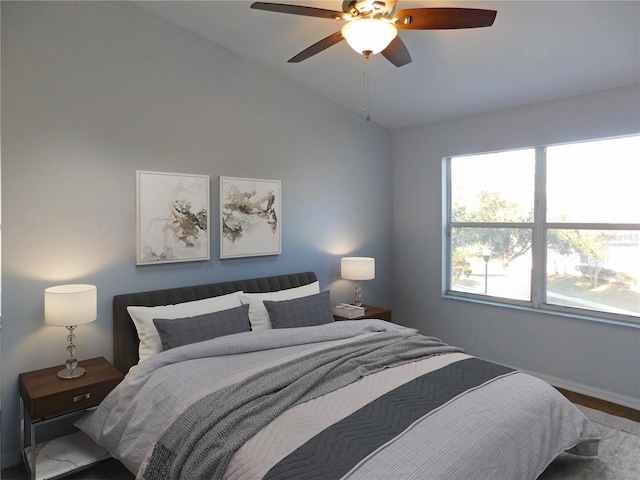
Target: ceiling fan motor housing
column 369, row 7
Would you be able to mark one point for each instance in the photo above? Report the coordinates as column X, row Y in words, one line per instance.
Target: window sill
column 547, row 311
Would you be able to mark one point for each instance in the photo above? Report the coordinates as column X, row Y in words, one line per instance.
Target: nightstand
column 370, row 312
column 47, row 398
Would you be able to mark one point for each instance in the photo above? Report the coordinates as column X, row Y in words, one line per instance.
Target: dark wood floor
column 602, row 405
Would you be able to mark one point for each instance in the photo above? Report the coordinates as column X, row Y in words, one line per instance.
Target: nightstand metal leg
column 21, row 424
column 33, row 451
column 31, row 469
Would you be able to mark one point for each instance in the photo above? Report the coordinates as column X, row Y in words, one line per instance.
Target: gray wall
column 595, row 358
column 92, row 92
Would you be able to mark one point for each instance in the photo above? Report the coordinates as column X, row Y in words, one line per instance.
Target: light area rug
column 618, row 455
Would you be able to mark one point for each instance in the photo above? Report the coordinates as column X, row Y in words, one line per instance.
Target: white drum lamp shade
column 69, row 306
column 358, row 268
column 66, row 305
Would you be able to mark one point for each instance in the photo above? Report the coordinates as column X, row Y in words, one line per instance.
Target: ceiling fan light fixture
column 369, row 35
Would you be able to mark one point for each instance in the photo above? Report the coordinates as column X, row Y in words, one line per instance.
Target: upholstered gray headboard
column 125, row 337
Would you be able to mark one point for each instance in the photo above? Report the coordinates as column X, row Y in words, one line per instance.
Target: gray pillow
column 175, row 332
column 300, row 312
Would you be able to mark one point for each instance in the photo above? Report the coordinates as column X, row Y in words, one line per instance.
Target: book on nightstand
column 347, row 311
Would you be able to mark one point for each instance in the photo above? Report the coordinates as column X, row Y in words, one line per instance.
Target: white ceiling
column 535, row 51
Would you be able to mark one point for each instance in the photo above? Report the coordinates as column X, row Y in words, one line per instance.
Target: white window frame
column 539, row 227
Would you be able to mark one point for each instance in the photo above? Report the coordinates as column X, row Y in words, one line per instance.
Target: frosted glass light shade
column 66, row 305
column 369, row 35
column 358, row 268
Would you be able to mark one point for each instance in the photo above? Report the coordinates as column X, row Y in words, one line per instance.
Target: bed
column 253, row 379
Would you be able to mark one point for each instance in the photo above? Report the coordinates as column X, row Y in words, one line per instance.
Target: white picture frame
column 172, row 217
column 250, row 217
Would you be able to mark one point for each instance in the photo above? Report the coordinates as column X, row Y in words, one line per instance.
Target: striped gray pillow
column 300, row 312
column 175, row 332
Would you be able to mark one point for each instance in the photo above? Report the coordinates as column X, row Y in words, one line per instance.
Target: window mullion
column 593, row 226
column 491, row 224
column 447, row 249
column 539, row 234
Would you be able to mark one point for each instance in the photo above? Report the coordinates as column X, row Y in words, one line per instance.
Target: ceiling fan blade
column 443, row 18
column 397, row 52
column 318, row 47
column 300, row 10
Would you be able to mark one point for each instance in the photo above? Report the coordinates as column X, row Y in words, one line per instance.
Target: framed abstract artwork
column 250, row 220
column 172, row 217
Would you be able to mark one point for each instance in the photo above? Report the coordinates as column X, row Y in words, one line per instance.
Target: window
column 554, row 227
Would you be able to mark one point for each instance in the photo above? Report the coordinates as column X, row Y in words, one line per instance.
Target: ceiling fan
column 372, row 25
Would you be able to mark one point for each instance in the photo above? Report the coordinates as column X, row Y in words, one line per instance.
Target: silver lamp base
column 72, row 370
column 358, row 300
column 67, row 373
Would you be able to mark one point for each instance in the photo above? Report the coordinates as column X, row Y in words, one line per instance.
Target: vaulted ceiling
column 535, row 51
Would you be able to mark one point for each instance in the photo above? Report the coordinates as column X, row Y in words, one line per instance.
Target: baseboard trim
column 612, row 397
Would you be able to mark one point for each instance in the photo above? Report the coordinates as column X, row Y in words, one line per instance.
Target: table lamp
column 358, row 268
column 69, row 306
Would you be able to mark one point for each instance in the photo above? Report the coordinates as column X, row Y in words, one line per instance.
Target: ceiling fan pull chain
column 366, row 88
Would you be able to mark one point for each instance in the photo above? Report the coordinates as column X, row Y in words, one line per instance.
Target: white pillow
column 258, row 315
column 143, row 318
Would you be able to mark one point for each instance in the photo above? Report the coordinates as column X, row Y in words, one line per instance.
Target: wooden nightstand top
column 44, row 393
column 370, row 311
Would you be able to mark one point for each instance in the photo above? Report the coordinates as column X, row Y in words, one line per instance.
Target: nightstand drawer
column 45, row 394
column 68, row 400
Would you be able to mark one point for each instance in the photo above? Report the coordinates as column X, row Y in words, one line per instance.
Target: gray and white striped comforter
column 510, row 427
